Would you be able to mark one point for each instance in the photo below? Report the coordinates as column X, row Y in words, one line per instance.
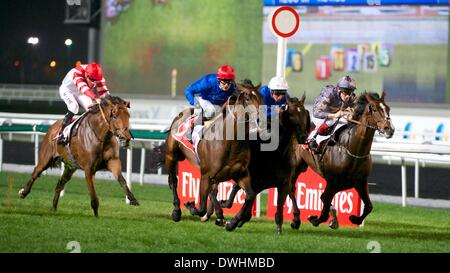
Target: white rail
column 418, row 152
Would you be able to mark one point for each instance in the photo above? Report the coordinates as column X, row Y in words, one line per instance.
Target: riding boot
column 66, row 121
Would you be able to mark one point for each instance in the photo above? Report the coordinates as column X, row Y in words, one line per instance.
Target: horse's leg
column 334, row 223
column 282, row 193
column 326, row 197
column 90, row 175
column 45, row 160
column 204, row 190
column 229, row 202
column 65, row 177
column 295, row 224
column 363, row 191
column 246, row 210
column 115, row 167
column 173, row 185
column 210, row 209
column 220, row 221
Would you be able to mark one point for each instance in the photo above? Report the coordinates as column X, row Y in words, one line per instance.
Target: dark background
column 23, row 63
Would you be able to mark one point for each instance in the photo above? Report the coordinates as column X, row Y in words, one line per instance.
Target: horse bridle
column 122, row 138
column 231, row 112
column 376, row 128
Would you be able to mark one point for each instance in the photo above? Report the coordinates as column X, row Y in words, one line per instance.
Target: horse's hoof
column 355, row 220
column 204, row 218
column 134, row 202
column 279, row 230
column 295, row 224
column 229, row 226
column 334, row 224
column 22, row 193
column 176, row 215
column 220, row 222
column 313, row 220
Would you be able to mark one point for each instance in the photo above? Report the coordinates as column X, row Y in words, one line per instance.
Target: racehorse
column 276, row 168
column 347, row 164
column 220, row 158
column 94, row 147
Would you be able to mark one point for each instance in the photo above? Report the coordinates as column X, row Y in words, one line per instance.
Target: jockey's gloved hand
column 197, row 111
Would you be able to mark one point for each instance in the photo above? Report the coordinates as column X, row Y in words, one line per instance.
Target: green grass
column 30, row 225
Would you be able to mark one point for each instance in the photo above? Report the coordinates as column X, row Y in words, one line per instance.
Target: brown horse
column 347, row 164
column 94, row 147
column 221, row 158
column 277, row 167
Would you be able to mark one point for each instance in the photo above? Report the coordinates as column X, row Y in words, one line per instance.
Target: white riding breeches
column 74, row 99
column 330, row 122
column 209, row 109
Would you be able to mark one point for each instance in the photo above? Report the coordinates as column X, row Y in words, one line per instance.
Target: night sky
column 21, row 62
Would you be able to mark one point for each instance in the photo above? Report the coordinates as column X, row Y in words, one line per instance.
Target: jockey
column 77, row 89
column 274, row 94
column 332, row 104
column 210, row 92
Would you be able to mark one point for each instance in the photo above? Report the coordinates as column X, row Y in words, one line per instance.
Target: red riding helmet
column 226, row 72
column 94, row 71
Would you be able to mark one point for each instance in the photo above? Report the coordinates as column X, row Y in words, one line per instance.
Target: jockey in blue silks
column 210, row 92
column 274, row 94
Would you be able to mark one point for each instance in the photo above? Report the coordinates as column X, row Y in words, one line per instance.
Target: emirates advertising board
column 309, row 188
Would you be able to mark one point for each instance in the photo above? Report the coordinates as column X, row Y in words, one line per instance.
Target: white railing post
column 403, row 182
column 1, row 153
column 36, row 149
column 416, row 178
column 141, row 174
column 129, row 169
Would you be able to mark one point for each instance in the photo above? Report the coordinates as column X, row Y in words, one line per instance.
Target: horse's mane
column 112, row 99
column 361, row 103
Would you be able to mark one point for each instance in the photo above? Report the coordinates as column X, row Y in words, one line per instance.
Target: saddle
column 72, row 129
column 332, row 140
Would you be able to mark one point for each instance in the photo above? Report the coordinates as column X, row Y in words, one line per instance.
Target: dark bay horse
column 276, row 168
column 347, row 164
column 94, row 147
column 221, row 158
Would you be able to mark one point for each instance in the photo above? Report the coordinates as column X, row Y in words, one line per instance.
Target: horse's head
column 247, row 104
column 374, row 112
column 294, row 115
column 118, row 118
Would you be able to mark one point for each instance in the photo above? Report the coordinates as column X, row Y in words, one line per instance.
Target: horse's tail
column 157, row 157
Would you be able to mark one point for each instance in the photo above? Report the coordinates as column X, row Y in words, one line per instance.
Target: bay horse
column 347, row 164
column 94, row 147
column 276, row 168
column 220, row 159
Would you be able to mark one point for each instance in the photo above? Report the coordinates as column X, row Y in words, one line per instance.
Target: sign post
column 284, row 23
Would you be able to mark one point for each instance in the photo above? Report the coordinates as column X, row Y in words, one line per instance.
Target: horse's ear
column 302, row 100
column 127, row 104
column 383, row 95
column 367, row 96
column 258, row 86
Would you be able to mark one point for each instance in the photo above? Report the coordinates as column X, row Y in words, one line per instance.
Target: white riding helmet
column 278, row 83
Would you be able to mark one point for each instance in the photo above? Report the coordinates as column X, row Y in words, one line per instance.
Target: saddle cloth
column 320, row 138
column 182, row 129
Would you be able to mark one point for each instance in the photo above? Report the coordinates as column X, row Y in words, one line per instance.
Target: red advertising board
column 188, row 188
column 309, row 188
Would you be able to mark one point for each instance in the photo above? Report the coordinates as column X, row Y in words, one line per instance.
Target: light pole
column 33, row 41
column 68, row 42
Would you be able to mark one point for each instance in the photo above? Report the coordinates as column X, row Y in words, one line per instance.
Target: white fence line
column 400, row 151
